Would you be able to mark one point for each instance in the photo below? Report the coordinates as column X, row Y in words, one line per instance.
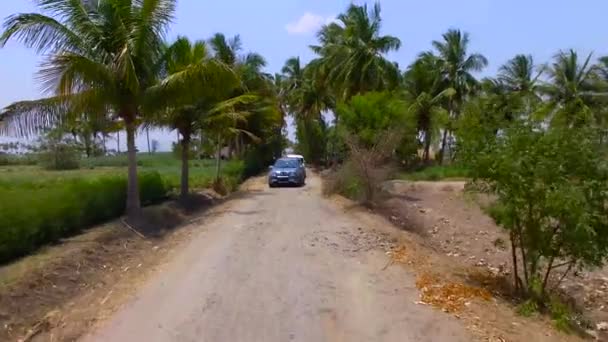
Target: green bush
column 13, row 159
column 36, row 213
column 60, row 157
column 435, row 173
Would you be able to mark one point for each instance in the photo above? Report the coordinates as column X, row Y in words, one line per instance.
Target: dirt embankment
column 451, row 221
column 62, row 290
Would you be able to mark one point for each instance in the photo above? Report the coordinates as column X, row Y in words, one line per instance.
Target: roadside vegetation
column 108, row 68
column 533, row 137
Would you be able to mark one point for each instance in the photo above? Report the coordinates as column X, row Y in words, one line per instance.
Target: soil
column 58, row 293
column 280, row 264
column 452, row 222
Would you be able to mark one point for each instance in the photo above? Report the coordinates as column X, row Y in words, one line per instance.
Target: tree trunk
column 219, row 158
column 237, row 146
column 117, row 142
column 87, row 146
column 133, row 203
column 148, row 139
column 443, row 145
column 516, row 279
column 103, row 141
column 427, row 147
column 185, row 166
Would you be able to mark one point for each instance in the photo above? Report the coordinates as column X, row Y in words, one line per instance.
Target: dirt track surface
column 280, row 265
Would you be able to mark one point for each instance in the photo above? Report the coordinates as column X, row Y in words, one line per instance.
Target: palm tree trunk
column 133, row 203
column 185, row 167
column 103, row 141
column 444, row 141
column 427, row 147
column 218, row 158
column 148, row 139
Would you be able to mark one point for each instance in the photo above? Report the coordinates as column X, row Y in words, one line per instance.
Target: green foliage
column 56, row 152
column 527, row 308
column 372, row 114
column 311, row 139
column 561, row 315
column 345, row 182
column 551, row 195
column 18, row 159
column 439, row 172
column 36, row 212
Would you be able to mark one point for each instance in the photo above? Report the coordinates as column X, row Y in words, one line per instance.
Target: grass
column 436, row 173
column 202, row 172
column 39, row 206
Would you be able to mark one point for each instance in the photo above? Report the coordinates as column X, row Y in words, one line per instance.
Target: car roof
column 295, row 156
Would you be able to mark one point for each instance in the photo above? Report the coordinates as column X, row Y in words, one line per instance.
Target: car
column 300, row 158
column 286, row 171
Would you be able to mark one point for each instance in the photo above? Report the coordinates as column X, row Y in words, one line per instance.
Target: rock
column 494, row 270
column 592, row 333
column 481, row 263
column 602, row 326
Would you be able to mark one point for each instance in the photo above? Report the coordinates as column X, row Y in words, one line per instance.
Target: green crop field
column 39, row 206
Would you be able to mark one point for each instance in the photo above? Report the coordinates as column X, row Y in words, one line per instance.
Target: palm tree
column 457, row 66
column 184, row 105
column 353, row 51
column 424, row 92
column 520, row 75
column 307, row 96
column 518, row 84
column 570, row 90
column 102, row 56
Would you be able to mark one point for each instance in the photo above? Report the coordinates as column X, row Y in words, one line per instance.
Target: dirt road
column 280, row 265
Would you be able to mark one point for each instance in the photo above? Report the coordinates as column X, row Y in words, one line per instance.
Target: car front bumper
column 276, row 180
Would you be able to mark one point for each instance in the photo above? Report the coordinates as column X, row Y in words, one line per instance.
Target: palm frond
column 42, row 33
column 26, row 118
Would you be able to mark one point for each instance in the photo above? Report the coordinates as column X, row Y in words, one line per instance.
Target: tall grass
column 34, row 213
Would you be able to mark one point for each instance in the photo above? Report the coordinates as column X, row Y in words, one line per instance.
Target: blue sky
column 279, row 29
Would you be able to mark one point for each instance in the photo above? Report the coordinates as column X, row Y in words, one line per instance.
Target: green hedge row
column 38, row 213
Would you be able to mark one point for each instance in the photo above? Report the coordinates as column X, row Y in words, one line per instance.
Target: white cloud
column 307, row 23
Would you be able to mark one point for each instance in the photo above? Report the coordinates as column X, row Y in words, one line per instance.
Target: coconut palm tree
column 571, row 89
column 185, row 106
column 457, row 67
column 353, row 52
column 520, row 75
column 102, row 56
column 422, row 84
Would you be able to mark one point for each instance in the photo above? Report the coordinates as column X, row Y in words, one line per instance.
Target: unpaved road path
column 280, row 265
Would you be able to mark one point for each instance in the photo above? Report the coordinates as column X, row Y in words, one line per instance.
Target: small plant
column 500, row 243
column 527, row 308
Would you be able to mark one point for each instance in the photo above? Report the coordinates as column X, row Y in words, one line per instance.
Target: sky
column 279, row 29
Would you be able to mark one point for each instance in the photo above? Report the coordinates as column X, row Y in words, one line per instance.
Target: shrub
column 36, row 213
column 7, row 159
column 551, row 194
column 57, row 152
column 366, row 168
column 62, row 156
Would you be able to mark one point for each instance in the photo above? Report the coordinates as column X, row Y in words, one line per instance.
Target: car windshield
column 286, row 164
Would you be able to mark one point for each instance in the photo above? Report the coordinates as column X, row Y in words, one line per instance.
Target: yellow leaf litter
column 449, row 296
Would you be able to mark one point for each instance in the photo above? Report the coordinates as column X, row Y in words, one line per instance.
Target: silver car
column 286, row 171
